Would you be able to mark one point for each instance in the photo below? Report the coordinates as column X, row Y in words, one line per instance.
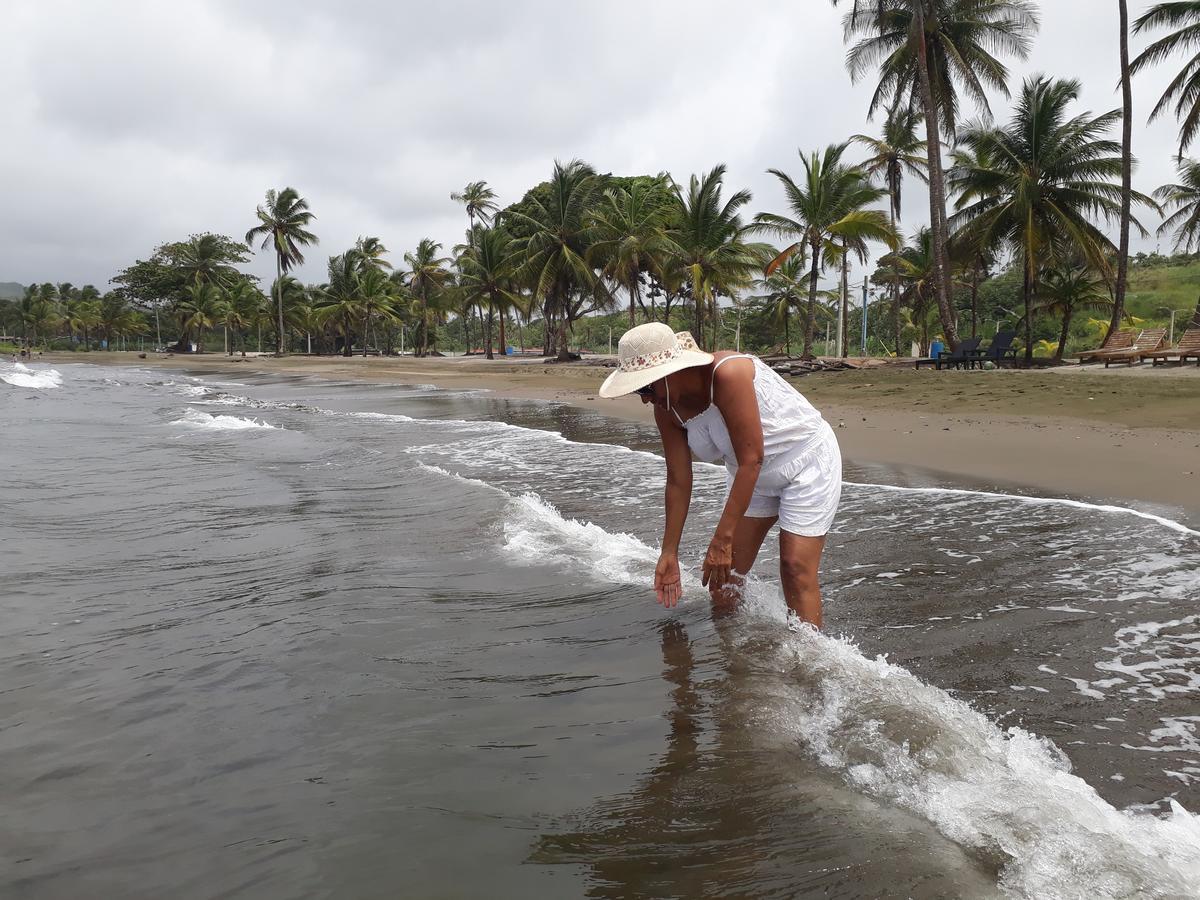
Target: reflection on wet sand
column 725, row 814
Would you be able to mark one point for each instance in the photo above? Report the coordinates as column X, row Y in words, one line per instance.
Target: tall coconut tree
column 479, row 201
column 929, row 53
column 200, row 309
column 1182, row 201
column 487, row 278
column 283, row 224
column 369, row 251
column 339, row 302
column 715, row 254
column 784, row 290
column 427, row 274
column 375, row 295
column 1126, row 174
column 898, row 151
column 1049, row 177
column 630, row 236
column 557, row 235
column 1069, row 288
column 827, row 207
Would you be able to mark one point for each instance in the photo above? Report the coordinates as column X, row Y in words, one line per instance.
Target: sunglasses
column 647, row 391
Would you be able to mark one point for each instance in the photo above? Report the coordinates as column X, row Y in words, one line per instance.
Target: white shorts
column 802, row 490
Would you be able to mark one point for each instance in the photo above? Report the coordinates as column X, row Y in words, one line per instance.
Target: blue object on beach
column 935, row 347
column 508, row 351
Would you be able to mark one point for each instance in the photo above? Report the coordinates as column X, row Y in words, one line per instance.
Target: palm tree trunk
column 488, row 337
column 564, row 353
column 366, row 329
column 845, row 348
column 810, row 316
column 1027, row 294
column 424, row 324
column 632, row 312
column 787, row 333
column 1126, row 173
column 974, row 301
column 1062, row 338
column 279, row 302
column 503, row 339
column 937, row 192
column 895, row 285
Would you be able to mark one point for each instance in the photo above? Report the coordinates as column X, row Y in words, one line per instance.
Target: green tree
column 1184, row 89
column 827, row 207
column 1182, row 201
column 715, row 254
column 784, row 290
column 1069, row 288
column 84, row 317
column 896, row 152
column 487, row 278
column 1049, row 177
column 630, row 235
column 557, row 237
column 283, row 222
column 200, row 309
column 427, row 275
column 927, row 53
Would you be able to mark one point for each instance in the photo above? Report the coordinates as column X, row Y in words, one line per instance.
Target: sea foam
column 39, row 379
column 1007, row 794
column 196, row 419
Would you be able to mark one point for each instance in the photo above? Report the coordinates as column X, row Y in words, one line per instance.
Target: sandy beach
column 1121, row 435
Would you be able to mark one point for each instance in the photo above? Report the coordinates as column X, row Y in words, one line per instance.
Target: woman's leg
column 799, row 560
column 748, row 538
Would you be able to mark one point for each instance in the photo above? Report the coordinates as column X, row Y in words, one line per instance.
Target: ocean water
column 287, row 637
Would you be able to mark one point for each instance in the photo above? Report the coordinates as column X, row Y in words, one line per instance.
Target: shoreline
column 1102, row 437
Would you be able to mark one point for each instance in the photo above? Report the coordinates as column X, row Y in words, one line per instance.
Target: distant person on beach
column 782, row 459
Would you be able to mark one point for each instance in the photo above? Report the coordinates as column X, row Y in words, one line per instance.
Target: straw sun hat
column 649, row 352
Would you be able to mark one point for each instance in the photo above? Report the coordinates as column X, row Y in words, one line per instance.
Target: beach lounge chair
column 964, row 355
column 1189, row 346
column 1118, row 340
column 999, row 349
column 1148, row 341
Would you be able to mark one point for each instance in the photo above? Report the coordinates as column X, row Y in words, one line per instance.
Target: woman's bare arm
column 678, row 497
column 733, row 394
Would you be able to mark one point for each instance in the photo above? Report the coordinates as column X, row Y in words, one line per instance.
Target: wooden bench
column 1189, row 346
column 1118, row 340
column 1148, row 341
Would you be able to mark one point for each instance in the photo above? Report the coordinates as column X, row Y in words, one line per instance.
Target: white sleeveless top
column 789, row 422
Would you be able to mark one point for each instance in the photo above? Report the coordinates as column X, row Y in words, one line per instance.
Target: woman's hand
column 718, row 563
column 667, row 586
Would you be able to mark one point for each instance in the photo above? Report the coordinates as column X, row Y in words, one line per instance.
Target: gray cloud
column 132, row 123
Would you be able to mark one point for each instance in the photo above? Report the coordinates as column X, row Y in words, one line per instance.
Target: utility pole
column 864, row 322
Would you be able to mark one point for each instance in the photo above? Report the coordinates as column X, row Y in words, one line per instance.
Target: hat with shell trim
column 649, row 352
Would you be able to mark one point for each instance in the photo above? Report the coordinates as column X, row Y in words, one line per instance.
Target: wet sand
column 1122, row 435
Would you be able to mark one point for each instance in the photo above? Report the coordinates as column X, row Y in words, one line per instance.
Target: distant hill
column 10, row 290
column 1175, row 285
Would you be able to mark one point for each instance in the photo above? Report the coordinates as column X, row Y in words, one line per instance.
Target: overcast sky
column 129, row 124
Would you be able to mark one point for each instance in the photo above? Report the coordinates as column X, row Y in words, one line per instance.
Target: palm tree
column 487, row 278
column 1184, row 89
column 785, row 290
column 1047, row 179
column 715, row 255
column 243, row 305
column 204, row 257
column 200, row 309
column 1182, row 201
column 630, row 235
column 928, row 51
column 479, row 201
column 898, row 151
column 283, row 222
column 918, row 275
column 339, row 303
column 369, row 251
column 375, row 295
column 555, row 245
column 84, row 316
column 1126, row 173
column 1067, row 289
column 427, row 274
column 826, row 208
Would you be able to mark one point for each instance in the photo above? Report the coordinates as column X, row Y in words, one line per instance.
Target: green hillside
column 10, row 290
column 1158, row 283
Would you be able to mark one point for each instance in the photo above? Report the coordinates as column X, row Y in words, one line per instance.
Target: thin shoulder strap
column 712, row 388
